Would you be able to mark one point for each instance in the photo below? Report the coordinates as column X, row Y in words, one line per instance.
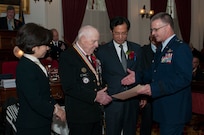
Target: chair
column 10, row 112
column 9, row 67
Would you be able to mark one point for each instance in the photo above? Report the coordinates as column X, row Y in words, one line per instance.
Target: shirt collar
column 125, row 48
column 31, row 57
column 153, row 48
column 164, row 44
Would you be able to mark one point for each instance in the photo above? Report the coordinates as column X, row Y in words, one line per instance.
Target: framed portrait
column 15, row 3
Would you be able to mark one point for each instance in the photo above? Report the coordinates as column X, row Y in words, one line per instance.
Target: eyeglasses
column 118, row 34
column 156, row 29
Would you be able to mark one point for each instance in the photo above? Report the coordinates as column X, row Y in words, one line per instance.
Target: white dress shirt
column 118, row 49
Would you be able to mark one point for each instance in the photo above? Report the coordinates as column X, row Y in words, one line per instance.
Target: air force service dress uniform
column 171, row 83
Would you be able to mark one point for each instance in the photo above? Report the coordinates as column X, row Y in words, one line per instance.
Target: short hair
column 86, row 31
column 31, row 35
column 165, row 17
column 10, row 8
column 118, row 20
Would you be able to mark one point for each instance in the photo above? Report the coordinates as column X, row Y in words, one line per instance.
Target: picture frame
column 5, row 3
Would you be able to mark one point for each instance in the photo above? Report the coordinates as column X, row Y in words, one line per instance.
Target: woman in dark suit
column 37, row 106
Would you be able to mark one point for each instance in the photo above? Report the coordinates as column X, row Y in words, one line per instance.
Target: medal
column 83, row 70
column 85, row 80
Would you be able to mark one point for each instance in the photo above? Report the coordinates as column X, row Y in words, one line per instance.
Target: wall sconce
column 45, row 1
column 144, row 13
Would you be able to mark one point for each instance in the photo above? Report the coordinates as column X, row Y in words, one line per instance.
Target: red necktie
column 93, row 59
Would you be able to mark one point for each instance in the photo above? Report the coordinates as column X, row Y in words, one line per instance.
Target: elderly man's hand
column 102, row 97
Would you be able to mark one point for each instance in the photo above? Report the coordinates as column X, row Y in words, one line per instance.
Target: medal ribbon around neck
column 86, row 61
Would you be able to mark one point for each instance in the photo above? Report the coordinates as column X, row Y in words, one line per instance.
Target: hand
column 59, row 112
column 145, row 89
column 143, row 102
column 102, row 97
column 129, row 79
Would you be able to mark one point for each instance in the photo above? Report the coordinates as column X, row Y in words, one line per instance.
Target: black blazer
column 4, row 25
column 80, row 87
column 33, row 90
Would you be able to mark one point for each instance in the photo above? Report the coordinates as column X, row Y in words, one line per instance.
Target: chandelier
column 45, row 1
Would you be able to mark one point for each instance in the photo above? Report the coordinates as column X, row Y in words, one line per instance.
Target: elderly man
column 84, row 94
column 9, row 22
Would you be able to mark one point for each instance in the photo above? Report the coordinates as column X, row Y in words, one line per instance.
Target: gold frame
column 26, row 7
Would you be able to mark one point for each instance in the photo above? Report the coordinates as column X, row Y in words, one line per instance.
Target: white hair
column 86, row 31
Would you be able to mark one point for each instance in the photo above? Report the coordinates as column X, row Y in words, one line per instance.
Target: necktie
column 92, row 60
column 10, row 25
column 55, row 43
column 123, row 58
column 159, row 48
column 157, row 54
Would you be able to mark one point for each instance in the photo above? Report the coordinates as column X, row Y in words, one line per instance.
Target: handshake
column 103, row 98
column 137, row 90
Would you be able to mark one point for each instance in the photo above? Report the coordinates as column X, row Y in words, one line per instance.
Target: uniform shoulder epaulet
column 178, row 40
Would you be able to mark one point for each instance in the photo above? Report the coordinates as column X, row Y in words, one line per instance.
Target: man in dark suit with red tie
column 9, row 22
column 120, row 116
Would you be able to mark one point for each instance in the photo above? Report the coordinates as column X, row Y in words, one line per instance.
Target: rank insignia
column 169, row 51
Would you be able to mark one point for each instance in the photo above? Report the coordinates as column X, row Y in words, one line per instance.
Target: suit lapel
column 131, row 63
column 114, row 57
column 169, row 44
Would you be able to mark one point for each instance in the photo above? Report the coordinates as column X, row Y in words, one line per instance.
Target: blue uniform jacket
column 171, row 83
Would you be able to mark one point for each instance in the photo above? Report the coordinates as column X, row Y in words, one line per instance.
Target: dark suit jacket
column 80, row 86
column 147, row 56
column 171, row 83
column 112, row 68
column 33, row 90
column 147, row 59
column 4, row 25
column 198, row 75
column 113, row 73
